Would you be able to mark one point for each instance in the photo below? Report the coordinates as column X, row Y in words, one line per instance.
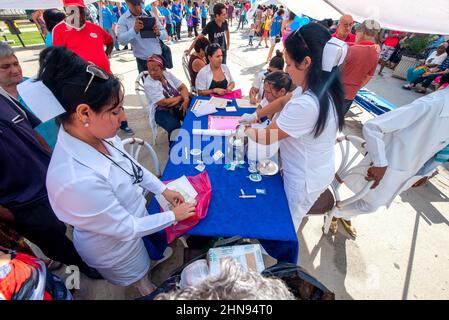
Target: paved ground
column 399, row 254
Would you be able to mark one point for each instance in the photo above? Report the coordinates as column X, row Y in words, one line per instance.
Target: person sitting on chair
column 167, row 94
column 256, row 93
column 214, row 78
column 394, row 166
column 197, row 59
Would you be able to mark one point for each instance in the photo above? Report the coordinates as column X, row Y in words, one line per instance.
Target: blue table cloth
column 373, row 103
column 266, row 218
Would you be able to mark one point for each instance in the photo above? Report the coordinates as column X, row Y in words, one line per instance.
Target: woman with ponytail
column 309, row 117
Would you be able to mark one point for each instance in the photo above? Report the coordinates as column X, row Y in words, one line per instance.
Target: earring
column 86, row 124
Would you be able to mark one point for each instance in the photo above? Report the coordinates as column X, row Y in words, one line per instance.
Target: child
column 252, row 31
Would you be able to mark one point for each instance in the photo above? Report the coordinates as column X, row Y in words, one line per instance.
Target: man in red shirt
column 344, row 29
column 83, row 37
column 388, row 48
column 361, row 61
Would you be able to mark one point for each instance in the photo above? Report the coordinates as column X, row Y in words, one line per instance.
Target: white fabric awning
column 405, row 15
column 316, row 9
column 34, row 4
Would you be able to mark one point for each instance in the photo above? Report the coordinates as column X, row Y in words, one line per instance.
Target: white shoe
column 167, row 254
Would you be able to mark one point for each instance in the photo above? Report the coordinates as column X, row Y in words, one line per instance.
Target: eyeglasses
column 95, row 72
column 137, row 174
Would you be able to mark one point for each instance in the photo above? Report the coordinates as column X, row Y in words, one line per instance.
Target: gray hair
column 233, row 283
column 5, row 50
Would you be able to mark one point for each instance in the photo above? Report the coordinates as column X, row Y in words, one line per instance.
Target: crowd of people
column 75, row 171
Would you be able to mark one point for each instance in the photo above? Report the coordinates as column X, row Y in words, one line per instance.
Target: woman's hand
column 219, row 91
column 184, row 211
column 375, row 174
column 173, row 197
column 185, row 106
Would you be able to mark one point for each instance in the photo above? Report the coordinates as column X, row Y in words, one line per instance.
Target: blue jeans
column 169, row 120
column 413, row 74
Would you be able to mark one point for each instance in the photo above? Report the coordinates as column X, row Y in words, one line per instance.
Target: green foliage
column 415, row 47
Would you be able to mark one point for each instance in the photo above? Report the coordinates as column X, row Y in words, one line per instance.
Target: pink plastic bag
column 236, row 94
column 202, row 185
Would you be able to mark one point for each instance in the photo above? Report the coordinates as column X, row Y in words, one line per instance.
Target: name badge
column 93, row 35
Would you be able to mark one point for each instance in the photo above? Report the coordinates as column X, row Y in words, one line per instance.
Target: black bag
column 301, row 284
column 166, row 55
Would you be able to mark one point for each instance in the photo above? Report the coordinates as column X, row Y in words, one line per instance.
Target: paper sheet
column 218, row 103
column 40, row 99
column 184, row 187
column 243, row 103
column 204, row 110
column 223, row 122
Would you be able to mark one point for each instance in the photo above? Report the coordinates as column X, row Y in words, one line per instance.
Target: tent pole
column 342, row 13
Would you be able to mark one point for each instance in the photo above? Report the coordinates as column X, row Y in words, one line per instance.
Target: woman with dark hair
column 168, row 97
column 52, row 17
column 276, row 85
column 214, row 78
column 197, row 59
column 256, row 93
column 93, row 183
column 195, row 18
column 309, row 117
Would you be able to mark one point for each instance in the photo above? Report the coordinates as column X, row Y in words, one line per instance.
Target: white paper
column 243, row 103
column 199, row 103
column 204, row 110
column 231, row 109
column 218, row 155
column 200, row 167
column 219, row 103
column 184, row 187
column 239, row 254
column 40, row 99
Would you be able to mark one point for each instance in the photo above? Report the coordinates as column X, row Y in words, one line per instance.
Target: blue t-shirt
column 166, row 13
column 203, row 12
column 48, row 39
column 188, row 11
column 276, row 26
column 195, row 13
column 108, row 18
column 176, row 10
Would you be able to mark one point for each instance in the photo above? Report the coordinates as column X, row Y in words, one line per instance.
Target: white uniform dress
column 89, row 192
column 205, row 76
column 307, row 161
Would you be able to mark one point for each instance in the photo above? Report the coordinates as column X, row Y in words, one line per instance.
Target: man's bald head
column 345, row 26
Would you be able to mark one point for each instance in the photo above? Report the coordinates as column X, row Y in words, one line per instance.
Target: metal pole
column 100, row 13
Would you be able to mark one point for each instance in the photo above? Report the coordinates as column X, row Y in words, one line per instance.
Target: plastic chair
column 140, row 92
column 134, row 145
column 331, row 200
column 185, row 66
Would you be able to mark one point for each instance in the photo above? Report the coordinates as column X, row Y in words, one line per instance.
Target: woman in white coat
column 215, row 77
column 93, row 184
column 309, row 118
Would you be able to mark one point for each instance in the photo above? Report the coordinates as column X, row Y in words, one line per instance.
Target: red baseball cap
column 78, row 3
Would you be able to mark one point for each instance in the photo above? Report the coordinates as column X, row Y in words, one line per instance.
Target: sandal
column 349, row 228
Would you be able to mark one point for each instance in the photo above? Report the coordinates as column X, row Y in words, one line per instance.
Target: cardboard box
column 248, row 256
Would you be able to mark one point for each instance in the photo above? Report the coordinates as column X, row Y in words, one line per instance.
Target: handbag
column 166, row 55
column 277, row 39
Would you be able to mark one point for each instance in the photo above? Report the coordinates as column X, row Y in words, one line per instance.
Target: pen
column 244, row 196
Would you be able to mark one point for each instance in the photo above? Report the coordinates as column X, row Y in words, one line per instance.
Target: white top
column 404, row 140
column 155, row 93
column 89, row 192
column 154, row 90
column 258, row 83
column 434, row 59
column 205, row 76
column 306, row 158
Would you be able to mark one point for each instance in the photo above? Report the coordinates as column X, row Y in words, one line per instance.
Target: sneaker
column 128, row 130
column 407, row 86
column 167, row 254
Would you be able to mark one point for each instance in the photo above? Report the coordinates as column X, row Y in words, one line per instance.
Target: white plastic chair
column 140, row 92
column 134, row 145
column 331, row 199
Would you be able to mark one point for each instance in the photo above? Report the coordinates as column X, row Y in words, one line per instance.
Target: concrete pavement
column 400, row 253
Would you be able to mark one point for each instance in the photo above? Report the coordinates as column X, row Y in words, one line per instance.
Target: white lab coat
column 89, row 192
column 307, row 161
column 404, row 140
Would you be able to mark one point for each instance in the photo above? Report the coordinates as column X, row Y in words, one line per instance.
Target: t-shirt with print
column 393, row 42
column 216, row 34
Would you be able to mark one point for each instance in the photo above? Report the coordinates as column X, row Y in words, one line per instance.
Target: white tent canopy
column 34, row 4
column 316, row 9
column 405, row 15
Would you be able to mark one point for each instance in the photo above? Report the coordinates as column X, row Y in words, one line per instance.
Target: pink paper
column 236, row 94
column 223, row 122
